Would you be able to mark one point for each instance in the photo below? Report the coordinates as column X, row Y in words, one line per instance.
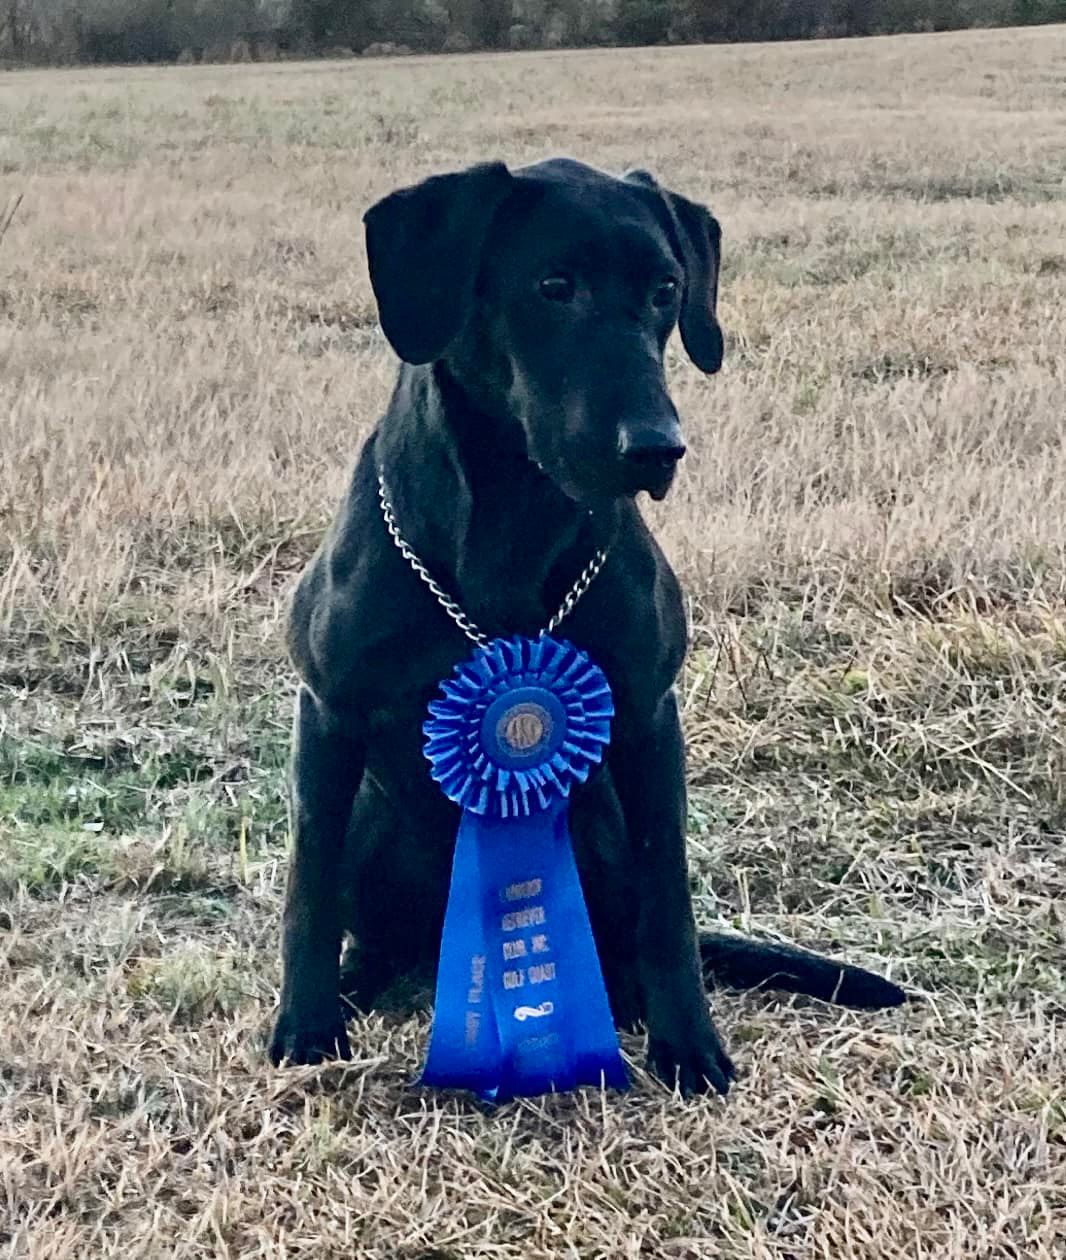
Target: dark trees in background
column 68, row 31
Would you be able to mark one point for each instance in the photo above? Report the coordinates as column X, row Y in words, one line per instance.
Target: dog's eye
column 557, row 288
column 665, row 294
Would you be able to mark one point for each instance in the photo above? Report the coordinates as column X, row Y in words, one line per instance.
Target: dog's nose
column 656, row 447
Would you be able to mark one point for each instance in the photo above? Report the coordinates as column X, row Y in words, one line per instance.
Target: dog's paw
column 693, row 1061
column 308, row 1042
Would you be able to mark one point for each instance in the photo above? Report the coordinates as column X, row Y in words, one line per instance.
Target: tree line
column 118, row 31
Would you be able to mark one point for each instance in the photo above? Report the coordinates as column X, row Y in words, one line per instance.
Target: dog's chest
column 506, row 576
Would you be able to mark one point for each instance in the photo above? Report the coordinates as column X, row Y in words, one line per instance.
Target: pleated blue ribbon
column 521, row 1008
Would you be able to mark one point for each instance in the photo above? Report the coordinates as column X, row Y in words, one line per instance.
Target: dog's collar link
column 473, row 632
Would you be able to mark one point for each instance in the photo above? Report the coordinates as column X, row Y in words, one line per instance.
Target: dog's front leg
column 327, row 767
column 648, row 768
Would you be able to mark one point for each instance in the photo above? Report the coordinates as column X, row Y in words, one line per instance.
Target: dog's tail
column 738, row 962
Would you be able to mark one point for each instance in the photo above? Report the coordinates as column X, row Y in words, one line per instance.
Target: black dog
column 531, row 309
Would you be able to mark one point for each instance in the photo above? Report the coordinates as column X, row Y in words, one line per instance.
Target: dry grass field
column 872, row 529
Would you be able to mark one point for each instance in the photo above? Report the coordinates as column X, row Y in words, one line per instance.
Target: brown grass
column 872, row 527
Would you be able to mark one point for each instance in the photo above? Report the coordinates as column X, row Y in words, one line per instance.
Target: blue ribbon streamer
column 521, row 1008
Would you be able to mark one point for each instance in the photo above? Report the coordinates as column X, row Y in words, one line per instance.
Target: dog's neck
column 491, row 528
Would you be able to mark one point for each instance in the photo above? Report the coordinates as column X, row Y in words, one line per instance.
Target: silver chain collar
column 472, row 632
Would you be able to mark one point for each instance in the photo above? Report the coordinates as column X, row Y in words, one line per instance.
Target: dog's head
column 549, row 293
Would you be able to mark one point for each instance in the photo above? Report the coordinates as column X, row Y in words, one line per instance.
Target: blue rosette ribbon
column 521, row 1008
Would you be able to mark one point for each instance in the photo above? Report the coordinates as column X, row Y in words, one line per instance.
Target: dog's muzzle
column 650, row 457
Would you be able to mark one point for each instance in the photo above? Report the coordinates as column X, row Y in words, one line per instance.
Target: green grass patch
column 46, row 858
column 191, row 983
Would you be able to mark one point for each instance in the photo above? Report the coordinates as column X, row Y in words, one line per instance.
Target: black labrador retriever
column 531, row 309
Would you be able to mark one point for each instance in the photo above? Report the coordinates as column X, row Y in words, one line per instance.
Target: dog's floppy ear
column 699, row 239
column 424, row 247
